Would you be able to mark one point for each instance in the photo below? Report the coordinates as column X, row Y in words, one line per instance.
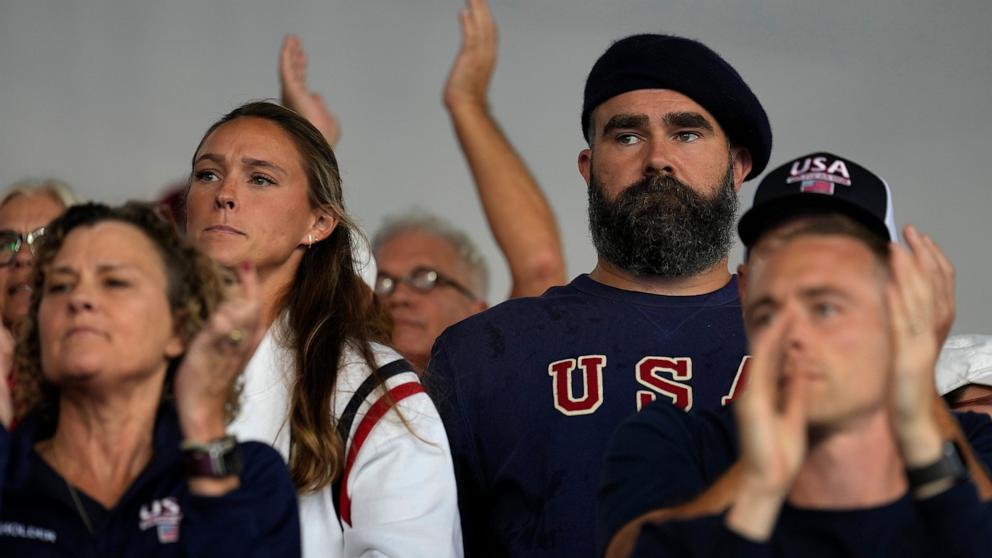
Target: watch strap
column 215, row 459
column 949, row 466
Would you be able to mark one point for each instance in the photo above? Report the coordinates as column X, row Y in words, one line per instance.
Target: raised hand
column 771, row 415
column 940, row 272
column 916, row 315
column 215, row 358
column 297, row 96
column 468, row 82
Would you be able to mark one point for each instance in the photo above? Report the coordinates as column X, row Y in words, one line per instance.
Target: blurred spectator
column 441, row 280
column 25, row 208
column 839, row 451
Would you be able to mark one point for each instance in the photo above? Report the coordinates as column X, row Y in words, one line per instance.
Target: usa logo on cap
column 816, row 176
column 819, row 182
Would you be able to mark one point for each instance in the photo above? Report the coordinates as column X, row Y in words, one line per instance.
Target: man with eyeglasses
column 430, row 277
column 26, row 207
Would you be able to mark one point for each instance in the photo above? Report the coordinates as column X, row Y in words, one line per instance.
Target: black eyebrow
column 687, row 120
column 618, row 121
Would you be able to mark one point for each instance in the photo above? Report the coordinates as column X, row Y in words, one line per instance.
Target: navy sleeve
column 977, row 428
column 705, row 537
column 959, row 525
column 258, row 519
column 441, row 380
column 659, row 458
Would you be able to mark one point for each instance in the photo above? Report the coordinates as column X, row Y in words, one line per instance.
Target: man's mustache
column 655, row 184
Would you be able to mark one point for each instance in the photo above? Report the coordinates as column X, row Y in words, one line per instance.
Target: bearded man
column 532, row 389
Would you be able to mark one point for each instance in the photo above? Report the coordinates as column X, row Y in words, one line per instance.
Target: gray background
column 113, row 96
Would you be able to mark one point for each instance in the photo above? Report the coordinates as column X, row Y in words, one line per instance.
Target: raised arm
column 520, row 218
column 254, row 512
column 215, row 358
column 297, row 96
column 921, row 301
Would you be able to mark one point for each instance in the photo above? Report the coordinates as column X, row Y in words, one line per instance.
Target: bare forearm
column 519, row 216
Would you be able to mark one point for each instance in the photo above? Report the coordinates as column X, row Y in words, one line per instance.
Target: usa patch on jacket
column 164, row 515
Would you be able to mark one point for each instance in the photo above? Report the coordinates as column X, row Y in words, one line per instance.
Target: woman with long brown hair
column 365, row 446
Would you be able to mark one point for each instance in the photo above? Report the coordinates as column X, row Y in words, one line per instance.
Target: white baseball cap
column 965, row 359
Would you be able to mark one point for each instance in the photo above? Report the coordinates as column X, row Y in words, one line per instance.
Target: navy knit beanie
column 691, row 68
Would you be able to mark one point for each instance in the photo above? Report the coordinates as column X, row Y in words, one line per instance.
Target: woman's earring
column 311, row 239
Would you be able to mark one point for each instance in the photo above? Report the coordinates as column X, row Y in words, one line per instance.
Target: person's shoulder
column 355, row 369
column 658, row 458
column 662, row 419
column 511, row 323
column 973, row 422
column 707, row 439
column 977, row 428
column 521, row 308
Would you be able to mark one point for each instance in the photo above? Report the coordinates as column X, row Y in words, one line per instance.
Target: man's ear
column 585, row 163
column 741, row 161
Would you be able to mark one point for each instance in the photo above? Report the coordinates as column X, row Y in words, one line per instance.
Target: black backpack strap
column 347, row 418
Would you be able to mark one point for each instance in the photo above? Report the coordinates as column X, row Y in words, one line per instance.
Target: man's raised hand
column 297, row 96
column 468, row 82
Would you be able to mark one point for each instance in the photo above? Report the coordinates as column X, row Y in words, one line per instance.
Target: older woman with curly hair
column 126, row 365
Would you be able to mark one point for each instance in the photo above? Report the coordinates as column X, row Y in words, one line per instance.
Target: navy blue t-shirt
column 532, row 390
column 953, row 524
column 663, row 457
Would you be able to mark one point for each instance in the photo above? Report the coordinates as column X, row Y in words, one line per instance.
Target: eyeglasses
column 11, row 242
column 423, row 279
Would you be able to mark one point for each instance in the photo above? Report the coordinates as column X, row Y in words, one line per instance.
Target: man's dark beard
column 661, row 227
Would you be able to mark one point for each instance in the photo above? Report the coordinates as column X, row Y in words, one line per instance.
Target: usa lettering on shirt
column 661, row 375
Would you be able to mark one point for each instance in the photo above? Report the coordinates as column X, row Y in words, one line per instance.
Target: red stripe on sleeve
column 375, row 412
